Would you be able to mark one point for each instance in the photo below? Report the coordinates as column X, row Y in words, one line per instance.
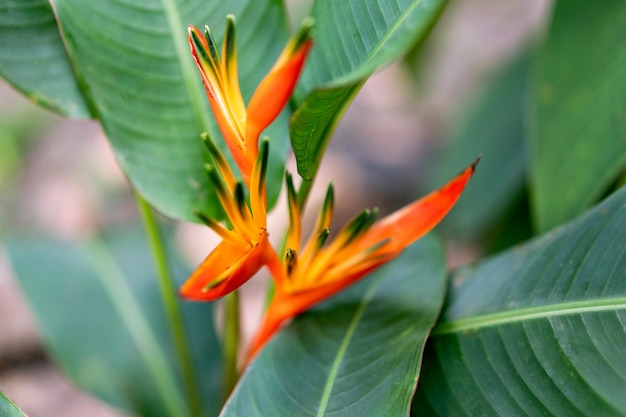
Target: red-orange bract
column 244, row 249
column 308, row 276
column 242, row 127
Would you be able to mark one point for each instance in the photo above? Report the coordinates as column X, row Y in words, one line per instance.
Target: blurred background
column 58, row 177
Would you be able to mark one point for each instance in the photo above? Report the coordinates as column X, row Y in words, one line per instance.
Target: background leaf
column 537, row 330
column 578, row 136
column 352, row 39
column 494, row 128
column 8, row 407
column 145, row 89
column 111, row 345
column 357, row 354
column 33, row 58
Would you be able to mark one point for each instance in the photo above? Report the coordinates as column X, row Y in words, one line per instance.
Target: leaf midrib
column 343, row 347
column 530, row 313
column 347, row 78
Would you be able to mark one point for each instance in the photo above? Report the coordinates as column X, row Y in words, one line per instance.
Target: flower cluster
column 304, row 274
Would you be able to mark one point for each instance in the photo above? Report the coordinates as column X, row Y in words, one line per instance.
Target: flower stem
column 231, row 342
column 170, row 302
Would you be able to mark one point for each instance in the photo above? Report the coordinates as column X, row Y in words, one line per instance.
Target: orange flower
column 317, row 272
column 243, row 250
column 242, row 127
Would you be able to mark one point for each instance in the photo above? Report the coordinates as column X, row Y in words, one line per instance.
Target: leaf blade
column 109, row 342
column 318, row 365
column 353, row 39
column 8, row 408
column 577, row 139
column 34, row 60
column 537, row 329
column 148, row 94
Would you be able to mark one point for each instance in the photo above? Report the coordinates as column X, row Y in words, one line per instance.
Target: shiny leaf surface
column 537, row 330
column 357, row 354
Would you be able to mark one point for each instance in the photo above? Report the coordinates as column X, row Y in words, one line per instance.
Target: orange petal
column 218, row 101
column 226, row 268
column 408, row 224
column 272, row 94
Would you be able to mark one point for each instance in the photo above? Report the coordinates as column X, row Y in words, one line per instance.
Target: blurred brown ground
column 385, row 134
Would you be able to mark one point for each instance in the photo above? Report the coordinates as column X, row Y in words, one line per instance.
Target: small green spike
column 263, row 157
column 229, row 36
column 304, row 33
column 240, row 199
column 322, row 237
column 360, row 224
column 212, row 44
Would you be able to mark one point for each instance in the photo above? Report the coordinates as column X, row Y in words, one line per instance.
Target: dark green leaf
column 493, row 128
column 101, row 316
column 33, row 58
column 8, row 407
column 577, row 145
column 357, row 354
column 146, row 91
column 352, row 39
column 538, row 330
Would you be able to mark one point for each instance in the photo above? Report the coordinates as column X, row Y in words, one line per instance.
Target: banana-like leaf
column 8, row 407
column 352, row 39
column 102, row 319
column 358, row 354
column 538, row 330
column 493, row 128
column 33, row 58
column 136, row 66
column 578, row 134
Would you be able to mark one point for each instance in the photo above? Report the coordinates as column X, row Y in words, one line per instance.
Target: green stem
column 170, row 302
column 231, row 342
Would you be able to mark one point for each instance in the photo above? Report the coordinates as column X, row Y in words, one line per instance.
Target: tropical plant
column 365, row 322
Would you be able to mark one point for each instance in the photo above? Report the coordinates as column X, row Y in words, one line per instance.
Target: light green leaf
column 537, row 330
column 100, row 314
column 578, row 137
column 8, row 407
column 494, row 128
column 357, row 354
column 33, row 58
column 135, row 62
column 352, row 39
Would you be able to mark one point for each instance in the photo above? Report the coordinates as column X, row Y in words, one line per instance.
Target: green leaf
column 145, row 88
column 352, row 39
column 357, row 354
column 537, row 330
column 33, row 58
column 493, row 128
column 578, row 137
column 8, row 407
column 100, row 314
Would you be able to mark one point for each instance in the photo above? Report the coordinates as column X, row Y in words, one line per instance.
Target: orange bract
column 242, row 127
column 244, row 249
column 318, row 272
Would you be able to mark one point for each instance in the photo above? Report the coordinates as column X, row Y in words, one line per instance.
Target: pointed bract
column 359, row 248
column 242, row 127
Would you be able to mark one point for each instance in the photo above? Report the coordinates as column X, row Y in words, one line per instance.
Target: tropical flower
column 243, row 250
column 241, row 126
column 307, row 276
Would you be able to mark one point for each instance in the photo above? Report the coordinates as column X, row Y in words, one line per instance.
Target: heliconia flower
column 316, row 272
column 244, row 249
column 242, row 127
